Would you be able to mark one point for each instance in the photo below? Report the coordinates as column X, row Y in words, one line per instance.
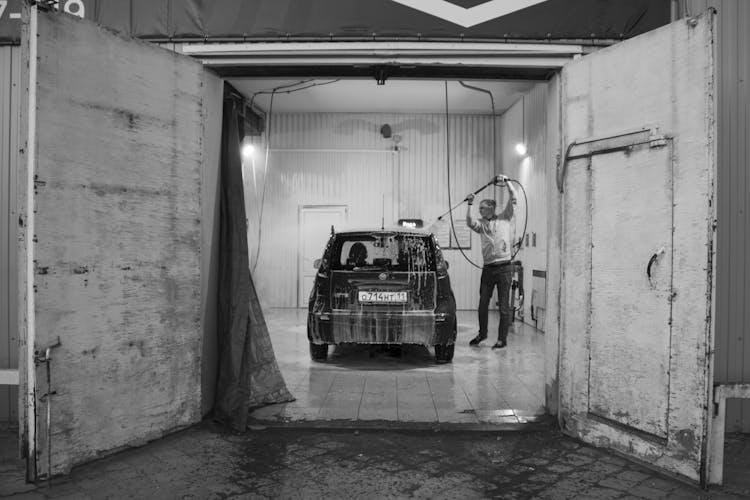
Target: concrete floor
column 364, row 384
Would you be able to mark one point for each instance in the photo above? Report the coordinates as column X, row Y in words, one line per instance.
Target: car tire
column 444, row 352
column 318, row 352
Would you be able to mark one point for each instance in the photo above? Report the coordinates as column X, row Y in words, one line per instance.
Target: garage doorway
column 681, row 451
column 396, row 155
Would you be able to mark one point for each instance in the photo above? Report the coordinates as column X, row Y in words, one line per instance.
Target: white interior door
column 110, row 240
column 637, row 236
column 315, row 229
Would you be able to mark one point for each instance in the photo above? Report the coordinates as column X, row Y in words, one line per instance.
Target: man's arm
column 469, row 220
column 512, row 197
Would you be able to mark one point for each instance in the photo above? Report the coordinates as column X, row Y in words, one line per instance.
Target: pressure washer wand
column 493, row 181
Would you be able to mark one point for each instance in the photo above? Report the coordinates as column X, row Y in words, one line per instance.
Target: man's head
column 357, row 255
column 487, row 208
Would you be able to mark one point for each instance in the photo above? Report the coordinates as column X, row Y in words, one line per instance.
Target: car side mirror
column 316, row 263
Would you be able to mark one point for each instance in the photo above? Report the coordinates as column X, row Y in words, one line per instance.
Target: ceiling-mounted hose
column 448, row 169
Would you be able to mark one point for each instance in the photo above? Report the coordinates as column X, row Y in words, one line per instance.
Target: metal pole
column 493, row 181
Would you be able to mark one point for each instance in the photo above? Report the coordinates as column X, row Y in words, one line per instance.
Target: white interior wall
column 342, row 159
column 527, row 121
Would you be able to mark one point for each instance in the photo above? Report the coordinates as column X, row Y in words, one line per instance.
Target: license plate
column 382, row 297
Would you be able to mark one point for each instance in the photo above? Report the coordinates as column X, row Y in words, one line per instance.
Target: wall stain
column 686, row 439
column 80, row 270
column 113, row 189
column 140, row 345
column 90, row 352
column 131, row 120
column 40, row 269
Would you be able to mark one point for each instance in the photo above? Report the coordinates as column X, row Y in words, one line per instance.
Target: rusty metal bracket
column 621, row 141
column 42, row 356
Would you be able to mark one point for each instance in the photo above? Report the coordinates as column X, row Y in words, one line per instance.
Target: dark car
column 382, row 286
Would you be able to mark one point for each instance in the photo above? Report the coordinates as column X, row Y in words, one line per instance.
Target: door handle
column 651, row 262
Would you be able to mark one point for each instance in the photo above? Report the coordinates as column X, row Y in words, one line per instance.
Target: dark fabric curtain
column 248, row 374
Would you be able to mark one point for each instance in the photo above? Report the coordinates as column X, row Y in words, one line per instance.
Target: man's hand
column 501, row 180
column 470, row 198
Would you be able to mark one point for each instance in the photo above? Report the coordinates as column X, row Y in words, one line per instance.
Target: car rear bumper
column 425, row 328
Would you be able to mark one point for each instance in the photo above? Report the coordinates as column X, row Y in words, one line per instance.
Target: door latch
column 651, row 262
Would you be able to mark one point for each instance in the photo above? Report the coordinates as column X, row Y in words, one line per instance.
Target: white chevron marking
column 468, row 17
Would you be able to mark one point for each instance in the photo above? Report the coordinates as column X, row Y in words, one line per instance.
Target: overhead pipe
column 494, row 122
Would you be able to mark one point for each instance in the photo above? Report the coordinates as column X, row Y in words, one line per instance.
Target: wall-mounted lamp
column 247, row 151
column 521, row 148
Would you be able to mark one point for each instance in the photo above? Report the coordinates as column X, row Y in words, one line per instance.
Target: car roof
column 392, row 229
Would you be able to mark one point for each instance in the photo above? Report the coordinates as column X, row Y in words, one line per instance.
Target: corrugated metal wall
column 342, row 159
column 733, row 269
column 526, row 121
column 9, row 93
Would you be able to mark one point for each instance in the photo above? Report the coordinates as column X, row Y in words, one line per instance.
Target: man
column 496, row 234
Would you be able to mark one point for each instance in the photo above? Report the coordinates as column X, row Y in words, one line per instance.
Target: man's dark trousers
column 500, row 276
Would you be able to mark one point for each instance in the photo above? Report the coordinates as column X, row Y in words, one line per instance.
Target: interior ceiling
column 395, row 96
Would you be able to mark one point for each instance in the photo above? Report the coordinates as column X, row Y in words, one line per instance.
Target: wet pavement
column 208, row 462
column 363, row 383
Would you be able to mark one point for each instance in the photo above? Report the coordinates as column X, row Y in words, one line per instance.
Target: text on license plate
column 382, row 297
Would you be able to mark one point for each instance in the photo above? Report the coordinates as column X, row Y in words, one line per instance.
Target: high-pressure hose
column 525, row 217
column 448, row 169
column 494, row 120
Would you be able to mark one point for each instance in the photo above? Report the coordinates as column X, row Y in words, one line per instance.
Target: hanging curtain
column 248, row 373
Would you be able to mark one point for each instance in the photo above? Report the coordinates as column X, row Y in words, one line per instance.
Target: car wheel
column 444, row 352
column 318, row 352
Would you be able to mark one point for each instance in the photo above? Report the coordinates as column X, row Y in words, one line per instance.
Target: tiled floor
column 371, row 384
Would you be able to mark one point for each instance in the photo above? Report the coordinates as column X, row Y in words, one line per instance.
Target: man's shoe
column 476, row 340
column 499, row 344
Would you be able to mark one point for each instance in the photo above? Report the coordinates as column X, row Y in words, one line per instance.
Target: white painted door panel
column 634, row 363
column 631, row 214
column 110, row 241
column 315, row 229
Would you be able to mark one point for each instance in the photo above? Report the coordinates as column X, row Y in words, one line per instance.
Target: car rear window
column 383, row 251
